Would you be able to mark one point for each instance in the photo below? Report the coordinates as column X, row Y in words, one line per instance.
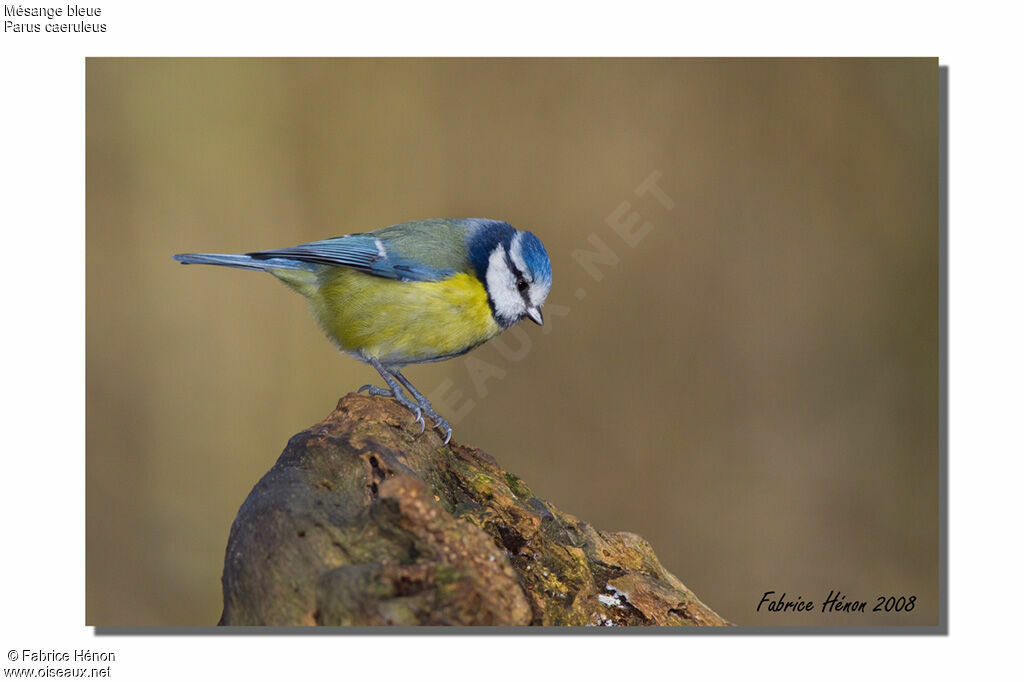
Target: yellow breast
column 402, row 322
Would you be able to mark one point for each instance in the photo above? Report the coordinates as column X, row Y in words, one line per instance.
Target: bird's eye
column 522, row 286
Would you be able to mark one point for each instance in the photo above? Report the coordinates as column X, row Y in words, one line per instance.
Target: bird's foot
column 400, row 397
column 439, row 422
column 420, row 407
column 428, row 410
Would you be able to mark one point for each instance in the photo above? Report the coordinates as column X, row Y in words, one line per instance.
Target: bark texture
column 363, row 522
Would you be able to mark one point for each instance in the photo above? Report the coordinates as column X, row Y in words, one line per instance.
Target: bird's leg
column 395, row 391
column 439, row 422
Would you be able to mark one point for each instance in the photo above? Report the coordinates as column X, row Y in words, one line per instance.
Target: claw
column 375, row 391
column 443, row 425
column 395, row 380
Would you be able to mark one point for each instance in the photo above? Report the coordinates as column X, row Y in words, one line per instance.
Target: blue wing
column 364, row 252
column 425, row 250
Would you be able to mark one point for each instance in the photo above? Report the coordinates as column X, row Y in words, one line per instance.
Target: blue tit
column 415, row 292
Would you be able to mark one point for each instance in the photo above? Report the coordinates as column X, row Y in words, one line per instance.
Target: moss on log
column 363, row 522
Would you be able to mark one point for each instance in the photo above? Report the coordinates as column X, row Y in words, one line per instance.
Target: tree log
column 362, row 521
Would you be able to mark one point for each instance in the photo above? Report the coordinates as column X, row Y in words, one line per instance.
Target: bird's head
column 515, row 269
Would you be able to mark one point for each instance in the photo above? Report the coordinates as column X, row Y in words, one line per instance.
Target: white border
column 41, row 494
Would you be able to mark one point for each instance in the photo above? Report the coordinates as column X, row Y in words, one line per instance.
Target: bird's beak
column 535, row 316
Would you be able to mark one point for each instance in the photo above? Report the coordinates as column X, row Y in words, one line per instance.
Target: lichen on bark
column 363, row 522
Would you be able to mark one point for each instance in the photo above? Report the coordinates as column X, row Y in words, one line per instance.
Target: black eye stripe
column 521, row 284
column 512, row 266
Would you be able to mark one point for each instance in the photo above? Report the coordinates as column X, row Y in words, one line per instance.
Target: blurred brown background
column 753, row 387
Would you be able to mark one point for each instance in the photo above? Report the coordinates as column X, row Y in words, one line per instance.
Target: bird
column 415, row 292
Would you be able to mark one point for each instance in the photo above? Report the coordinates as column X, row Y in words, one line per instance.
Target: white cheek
column 501, row 285
column 538, row 294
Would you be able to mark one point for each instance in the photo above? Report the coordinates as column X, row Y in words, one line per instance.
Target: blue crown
column 536, row 258
column 490, row 233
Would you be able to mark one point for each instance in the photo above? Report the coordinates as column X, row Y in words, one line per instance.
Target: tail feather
column 240, row 261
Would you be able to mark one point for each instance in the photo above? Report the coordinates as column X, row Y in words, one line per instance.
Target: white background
column 43, row 329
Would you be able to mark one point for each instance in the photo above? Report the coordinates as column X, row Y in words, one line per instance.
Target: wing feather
column 424, row 250
column 363, row 252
